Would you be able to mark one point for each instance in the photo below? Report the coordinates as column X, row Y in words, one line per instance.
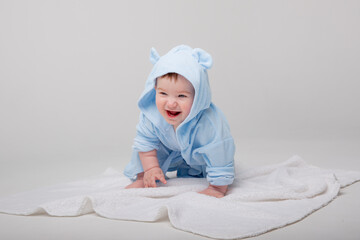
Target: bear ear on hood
column 154, row 56
column 203, row 58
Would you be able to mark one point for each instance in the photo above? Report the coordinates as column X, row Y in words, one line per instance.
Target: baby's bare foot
column 215, row 191
column 212, row 193
column 136, row 184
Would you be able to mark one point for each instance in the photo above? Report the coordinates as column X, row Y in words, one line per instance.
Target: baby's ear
column 203, row 58
column 154, row 56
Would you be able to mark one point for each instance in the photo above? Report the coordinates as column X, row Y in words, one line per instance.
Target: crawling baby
column 180, row 129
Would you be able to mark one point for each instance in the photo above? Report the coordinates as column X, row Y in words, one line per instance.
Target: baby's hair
column 171, row 75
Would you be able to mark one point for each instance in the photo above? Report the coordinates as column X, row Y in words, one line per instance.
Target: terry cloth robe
column 202, row 145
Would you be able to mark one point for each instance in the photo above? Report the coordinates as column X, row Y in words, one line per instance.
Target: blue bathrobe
column 202, row 145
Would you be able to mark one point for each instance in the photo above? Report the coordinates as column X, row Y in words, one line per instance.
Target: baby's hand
column 153, row 174
column 215, row 191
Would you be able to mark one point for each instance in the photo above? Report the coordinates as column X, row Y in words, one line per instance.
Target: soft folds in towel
column 261, row 199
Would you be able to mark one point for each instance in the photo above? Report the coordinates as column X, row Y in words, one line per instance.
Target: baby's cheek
column 188, row 107
column 158, row 103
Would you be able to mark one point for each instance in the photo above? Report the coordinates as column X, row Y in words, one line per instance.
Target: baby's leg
column 138, row 183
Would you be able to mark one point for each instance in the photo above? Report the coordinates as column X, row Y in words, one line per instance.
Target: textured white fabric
column 261, row 199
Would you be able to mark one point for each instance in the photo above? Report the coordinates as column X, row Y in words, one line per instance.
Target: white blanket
column 261, row 199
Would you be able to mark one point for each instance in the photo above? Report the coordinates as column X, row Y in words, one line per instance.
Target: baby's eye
column 163, row 93
column 182, row 96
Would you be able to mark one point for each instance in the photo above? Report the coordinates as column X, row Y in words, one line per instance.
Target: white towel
column 261, row 199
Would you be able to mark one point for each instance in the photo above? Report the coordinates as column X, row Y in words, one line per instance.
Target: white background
column 286, row 74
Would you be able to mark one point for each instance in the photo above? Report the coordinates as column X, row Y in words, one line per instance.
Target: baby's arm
column 215, row 191
column 152, row 171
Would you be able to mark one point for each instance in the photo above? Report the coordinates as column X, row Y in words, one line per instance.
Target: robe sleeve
column 215, row 147
column 219, row 159
column 146, row 139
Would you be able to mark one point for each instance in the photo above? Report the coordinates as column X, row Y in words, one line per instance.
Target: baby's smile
column 172, row 114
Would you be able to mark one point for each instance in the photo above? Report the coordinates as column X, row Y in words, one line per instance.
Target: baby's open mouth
column 172, row 113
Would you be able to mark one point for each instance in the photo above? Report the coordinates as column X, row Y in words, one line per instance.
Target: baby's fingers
column 162, row 179
column 148, row 183
column 153, row 181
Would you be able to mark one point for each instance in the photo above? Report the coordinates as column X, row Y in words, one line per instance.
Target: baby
column 180, row 129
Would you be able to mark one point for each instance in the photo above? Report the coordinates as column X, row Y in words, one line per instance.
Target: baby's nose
column 172, row 103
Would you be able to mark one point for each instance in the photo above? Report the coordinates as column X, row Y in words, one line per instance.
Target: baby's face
column 174, row 99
